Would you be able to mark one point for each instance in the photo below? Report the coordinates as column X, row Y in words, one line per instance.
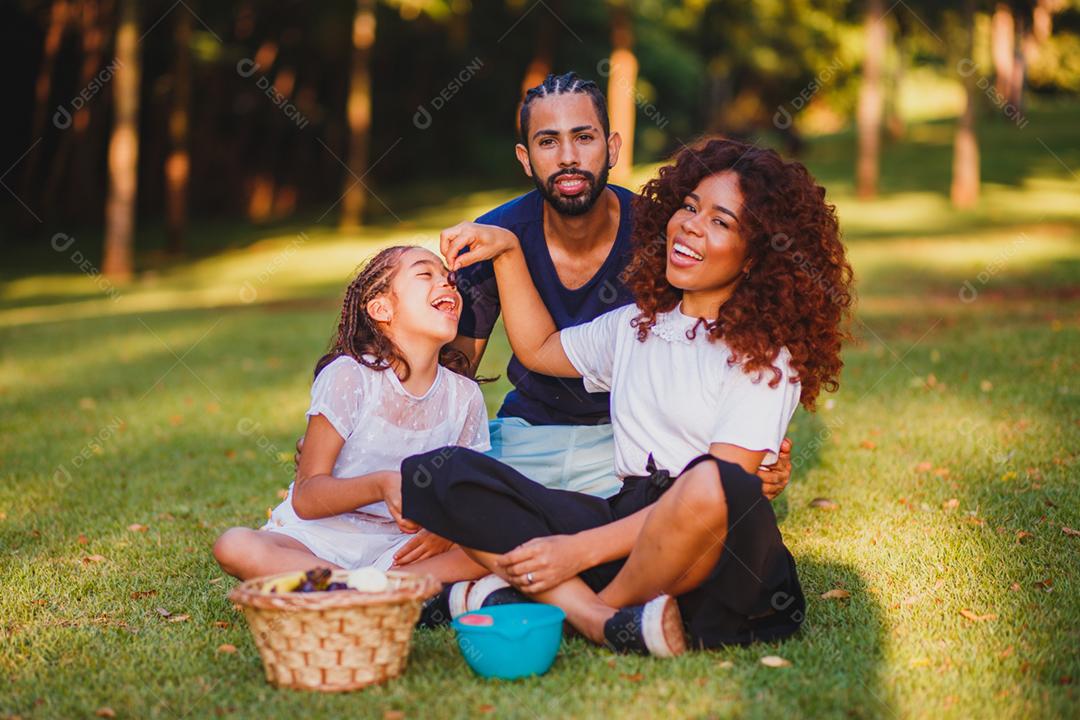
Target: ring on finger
column 529, row 578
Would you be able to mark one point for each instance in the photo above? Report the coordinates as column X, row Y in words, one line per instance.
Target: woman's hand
column 421, row 546
column 390, row 487
column 543, row 563
column 775, row 477
column 484, row 242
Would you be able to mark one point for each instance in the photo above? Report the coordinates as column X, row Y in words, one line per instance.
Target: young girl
column 741, row 285
column 389, row 387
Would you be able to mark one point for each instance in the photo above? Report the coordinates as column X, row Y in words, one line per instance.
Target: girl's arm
column 318, row 494
column 555, row 559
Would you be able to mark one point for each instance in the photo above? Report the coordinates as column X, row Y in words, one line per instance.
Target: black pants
column 752, row 593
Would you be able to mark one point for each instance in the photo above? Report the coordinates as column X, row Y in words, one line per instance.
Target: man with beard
column 574, row 230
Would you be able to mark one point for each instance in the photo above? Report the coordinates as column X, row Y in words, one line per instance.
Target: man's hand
column 484, row 242
column 542, row 563
column 299, row 449
column 775, row 477
column 390, row 486
column 423, row 545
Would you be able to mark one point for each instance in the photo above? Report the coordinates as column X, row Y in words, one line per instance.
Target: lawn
column 138, row 422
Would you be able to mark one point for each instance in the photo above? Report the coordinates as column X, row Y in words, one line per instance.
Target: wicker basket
column 334, row 641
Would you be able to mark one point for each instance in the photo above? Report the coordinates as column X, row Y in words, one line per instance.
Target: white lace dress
column 382, row 423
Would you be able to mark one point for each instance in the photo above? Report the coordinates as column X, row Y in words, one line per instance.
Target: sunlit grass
column 951, row 450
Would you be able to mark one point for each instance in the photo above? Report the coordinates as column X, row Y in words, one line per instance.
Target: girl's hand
column 542, row 563
column 484, row 242
column 390, row 486
column 423, row 545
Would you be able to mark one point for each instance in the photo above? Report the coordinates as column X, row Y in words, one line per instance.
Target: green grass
column 955, row 431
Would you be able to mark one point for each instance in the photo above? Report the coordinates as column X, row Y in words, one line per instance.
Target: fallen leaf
column 725, row 665
column 283, row 493
column 230, row 454
column 950, row 504
column 216, row 580
column 140, row 594
column 137, row 527
column 634, row 678
column 226, row 648
column 1070, row 532
column 942, row 472
column 176, row 420
column 868, row 444
column 163, row 612
column 221, row 624
column 986, row 386
column 1022, row 535
column 1005, row 653
column 82, row 539
column 105, row 712
column 179, row 618
column 924, row 467
column 393, row 715
column 977, row 618
column 835, row 594
column 485, row 709
column 88, row 559
column 775, row 661
column 1014, row 587
column 823, row 504
column 1047, row 584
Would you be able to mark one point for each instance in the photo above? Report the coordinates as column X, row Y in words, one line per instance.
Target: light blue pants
column 564, row 457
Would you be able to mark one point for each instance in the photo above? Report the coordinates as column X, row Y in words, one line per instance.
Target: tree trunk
column 870, row 102
column 621, row 88
column 1002, row 47
column 359, row 113
column 123, row 148
column 178, row 163
column 965, row 173
column 894, row 116
column 58, row 20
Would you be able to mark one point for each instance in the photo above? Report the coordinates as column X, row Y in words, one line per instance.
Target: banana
column 285, row 583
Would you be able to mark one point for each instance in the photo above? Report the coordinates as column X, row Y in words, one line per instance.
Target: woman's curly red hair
column 799, row 291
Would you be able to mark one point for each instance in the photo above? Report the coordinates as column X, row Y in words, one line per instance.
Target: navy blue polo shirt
column 536, row 398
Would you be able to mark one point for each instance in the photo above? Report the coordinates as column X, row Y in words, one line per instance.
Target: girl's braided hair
column 359, row 335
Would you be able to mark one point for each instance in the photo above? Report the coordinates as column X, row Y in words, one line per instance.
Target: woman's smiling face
column 705, row 251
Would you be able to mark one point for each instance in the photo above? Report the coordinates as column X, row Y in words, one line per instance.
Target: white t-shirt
column 672, row 396
column 382, row 423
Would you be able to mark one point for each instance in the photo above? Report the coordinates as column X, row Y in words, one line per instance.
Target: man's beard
column 579, row 204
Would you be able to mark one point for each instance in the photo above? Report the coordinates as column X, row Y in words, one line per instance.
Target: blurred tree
column 622, row 82
column 123, row 148
column 358, row 111
column 964, row 190
column 1003, row 49
column 178, row 163
column 59, row 17
column 871, row 99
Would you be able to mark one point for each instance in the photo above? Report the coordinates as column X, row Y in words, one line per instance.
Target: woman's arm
column 529, row 326
column 318, row 494
column 532, row 332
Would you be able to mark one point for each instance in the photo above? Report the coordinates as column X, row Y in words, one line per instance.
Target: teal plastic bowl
column 522, row 640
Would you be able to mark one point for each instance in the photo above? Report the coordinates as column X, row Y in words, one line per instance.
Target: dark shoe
column 444, row 607
column 492, row 590
column 654, row 628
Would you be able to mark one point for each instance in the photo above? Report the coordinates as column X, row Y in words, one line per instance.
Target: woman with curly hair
column 741, row 287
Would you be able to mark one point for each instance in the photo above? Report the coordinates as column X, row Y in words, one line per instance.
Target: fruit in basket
column 319, row 578
column 368, row 579
column 285, row 583
column 337, row 586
